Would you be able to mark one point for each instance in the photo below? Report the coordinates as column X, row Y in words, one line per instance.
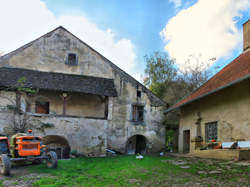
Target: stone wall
column 86, row 136
column 121, row 127
column 7, row 106
column 229, row 107
column 49, row 53
column 223, row 154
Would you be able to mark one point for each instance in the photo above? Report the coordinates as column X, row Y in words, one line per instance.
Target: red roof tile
column 236, row 70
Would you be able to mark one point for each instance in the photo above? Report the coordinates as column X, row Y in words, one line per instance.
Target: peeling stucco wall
column 229, row 107
column 49, row 53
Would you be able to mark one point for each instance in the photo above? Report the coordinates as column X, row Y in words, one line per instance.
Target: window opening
column 211, row 131
column 42, row 107
column 72, row 59
column 137, row 113
column 138, row 94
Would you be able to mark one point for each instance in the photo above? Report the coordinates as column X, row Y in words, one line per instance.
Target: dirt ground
column 20, row 177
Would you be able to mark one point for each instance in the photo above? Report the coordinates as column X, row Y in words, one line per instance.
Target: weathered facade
column 83, row 103
column 219, row 110
column 229, row 109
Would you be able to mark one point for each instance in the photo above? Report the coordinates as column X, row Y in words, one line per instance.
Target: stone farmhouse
column 80, row 102
column 219, row 109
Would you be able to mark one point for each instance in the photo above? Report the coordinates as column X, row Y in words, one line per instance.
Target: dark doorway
column 136, row 144
column 186, row 141
column 58, row 144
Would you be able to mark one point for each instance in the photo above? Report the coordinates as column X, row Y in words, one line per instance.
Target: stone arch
column 59, row 144
column 136, row 144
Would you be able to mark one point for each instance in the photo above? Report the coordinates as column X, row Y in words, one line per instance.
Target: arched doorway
column 59, row 144
column 136, row 144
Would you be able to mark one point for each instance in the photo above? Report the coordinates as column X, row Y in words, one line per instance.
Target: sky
column 125, row 31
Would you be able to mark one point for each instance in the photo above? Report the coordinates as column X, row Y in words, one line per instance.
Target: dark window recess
column 42, row 107
column 211, row 131
column 138, row 93
column 72, row 59
column 137, row 113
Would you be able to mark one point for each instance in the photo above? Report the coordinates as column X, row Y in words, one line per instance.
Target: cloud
column 23, row 21
column 177, row 3
column 205, row 30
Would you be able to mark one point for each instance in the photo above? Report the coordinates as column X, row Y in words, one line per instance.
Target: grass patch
column 116, row 171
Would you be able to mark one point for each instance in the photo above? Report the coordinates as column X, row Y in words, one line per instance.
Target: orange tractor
column 24, row 147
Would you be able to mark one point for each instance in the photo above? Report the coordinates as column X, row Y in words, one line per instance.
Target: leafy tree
column 160, row 70
column 170, row 83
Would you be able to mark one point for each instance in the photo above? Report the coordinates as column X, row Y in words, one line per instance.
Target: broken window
column 211, row 131
column 138, row 94
column 42, row 107
column 137, row 113
column 71, row 59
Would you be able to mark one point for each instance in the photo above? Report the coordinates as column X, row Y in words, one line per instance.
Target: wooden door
column 186, row 141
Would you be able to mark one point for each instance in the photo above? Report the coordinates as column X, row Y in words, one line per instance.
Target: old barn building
column 77, row 99
column 219, row 110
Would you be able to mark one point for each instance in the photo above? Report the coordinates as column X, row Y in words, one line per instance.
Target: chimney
column 246, row 35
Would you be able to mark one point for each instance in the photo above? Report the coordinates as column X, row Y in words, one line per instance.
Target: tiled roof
column 238, row 69
column 9, row 78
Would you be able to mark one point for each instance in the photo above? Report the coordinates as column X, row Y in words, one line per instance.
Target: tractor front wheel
column 52, row 160
column 5, row 164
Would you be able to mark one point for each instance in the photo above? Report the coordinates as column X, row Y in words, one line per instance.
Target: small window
column 71, row 59
column 137, row 113
column 211, row 131
column 138, row 94
column 42, row 107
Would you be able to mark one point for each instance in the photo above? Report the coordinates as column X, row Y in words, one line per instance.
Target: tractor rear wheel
column 5, row 164
column 52, row 160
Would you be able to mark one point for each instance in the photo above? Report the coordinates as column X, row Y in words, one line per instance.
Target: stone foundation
column 223, row 154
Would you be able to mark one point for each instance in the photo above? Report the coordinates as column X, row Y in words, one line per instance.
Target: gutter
column 211, row 92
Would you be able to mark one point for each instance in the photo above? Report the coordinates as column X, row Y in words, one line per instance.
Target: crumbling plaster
column 49, row 52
